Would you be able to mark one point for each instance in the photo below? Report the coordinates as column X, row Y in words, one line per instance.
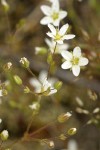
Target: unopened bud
column 64, row 117
column 5, row 5
column 25, row 63
column 26, row 89
column 18, row 80
column 4, row 92
column 4, row 135
column 7, row 66
column 62, row 137
column 72, row 131
column 51, row 144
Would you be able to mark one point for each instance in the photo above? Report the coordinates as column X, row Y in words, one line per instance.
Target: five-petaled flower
column 74, row 60
column 59, row 35
column 45, row 87
column 53, row 14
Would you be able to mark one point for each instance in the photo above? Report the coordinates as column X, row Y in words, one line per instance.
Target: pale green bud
column 18, row 80
column 64, row 117
column 7, row 66
column 4, row 135
column 25, row 63
column 26, row 89
column 5, row 5
column 72, row 131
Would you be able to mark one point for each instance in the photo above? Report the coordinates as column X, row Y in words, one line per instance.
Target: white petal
column 77, row 52
column 43, row 75
column 52, row 28
column 56, row 22
column 35, row 83
column 48, row 42
column 83, row 61
column 50, row 34
column 68, row 36
column 55, row 6
column 63, row 47
column 76, row 70
column 53, row 91
column 45, row 20
column 60, row 41
column 66, row 65
column 46, row 10
column 62, row 14
column 63, row 29
column 67, row 55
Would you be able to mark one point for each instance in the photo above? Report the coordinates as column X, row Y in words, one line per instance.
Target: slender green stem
column 29, row 70
column 42, row 128
column 53, row 59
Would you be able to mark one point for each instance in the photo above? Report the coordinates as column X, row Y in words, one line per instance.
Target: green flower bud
column 72, row 131
column 5, row 5
column 18, row 80
column 4, row 135
column 64, row 117
column 7, row 66
column 58, row 85
column 26, row 89
column 25, row 63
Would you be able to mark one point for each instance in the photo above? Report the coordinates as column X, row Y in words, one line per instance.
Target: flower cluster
column 54, row 15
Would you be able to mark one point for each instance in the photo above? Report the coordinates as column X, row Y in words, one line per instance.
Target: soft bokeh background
column 20, row 33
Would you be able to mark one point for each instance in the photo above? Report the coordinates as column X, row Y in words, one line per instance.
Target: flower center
column 75, row 60
column 55, row 15
column 57, row 36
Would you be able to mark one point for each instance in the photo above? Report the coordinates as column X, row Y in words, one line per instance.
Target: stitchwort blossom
column 74, row 60
column 59, row 35
column 44, row 86
column 53, row 14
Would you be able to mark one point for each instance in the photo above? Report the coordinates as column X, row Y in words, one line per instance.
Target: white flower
column 59, row 48
column 1, row 94
column 44, row 84
column 59, row 35
column 74, row 60
column 53, row 14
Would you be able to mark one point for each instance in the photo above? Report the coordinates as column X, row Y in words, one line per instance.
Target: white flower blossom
column 53, row 14
column 59, row 48
column 59, row 35
column 44, row 84
column 74, row 60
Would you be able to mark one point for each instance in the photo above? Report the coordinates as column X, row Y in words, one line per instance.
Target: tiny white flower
column 53, row 14
column 74, row 60
column 59, row 35
column 1, row 94
column 59, row 48
column 44, row 84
